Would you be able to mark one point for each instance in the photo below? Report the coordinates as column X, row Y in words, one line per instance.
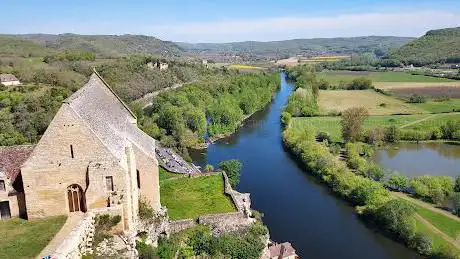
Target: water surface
column 414, row 159
column 296, row 208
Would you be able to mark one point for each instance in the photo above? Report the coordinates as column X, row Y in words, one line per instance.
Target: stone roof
column 109, row 117
column 281, row 250
column 11, row 159
column 7, row 78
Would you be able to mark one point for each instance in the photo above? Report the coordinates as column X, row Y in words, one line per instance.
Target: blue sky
column 230, row 20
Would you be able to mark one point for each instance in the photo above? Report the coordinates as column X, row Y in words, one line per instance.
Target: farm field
column 377, row 104
column 451, row 105
column 333, row 127
column 191, row 197
column 417, row 85
column 334, row 77
column 435, row 121
column 243, row 66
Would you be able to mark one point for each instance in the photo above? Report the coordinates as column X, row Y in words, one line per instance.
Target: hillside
column 435, row 46
column 11, row 46
column 105, row 45
column 301, row 46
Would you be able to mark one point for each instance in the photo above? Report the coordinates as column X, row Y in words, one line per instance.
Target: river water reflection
column 296, row 208
column 415, row 159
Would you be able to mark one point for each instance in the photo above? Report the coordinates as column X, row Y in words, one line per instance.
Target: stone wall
column 179, row 225
column 79, row 241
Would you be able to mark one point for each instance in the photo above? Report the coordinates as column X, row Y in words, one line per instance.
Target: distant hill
column 105, row 45
column 435, row 46
column 13, row 46
column 301, row 46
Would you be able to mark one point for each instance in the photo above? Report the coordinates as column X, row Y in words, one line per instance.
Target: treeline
column 364, row 189
column 200, row 242
column 212, row 107
column 26, row 111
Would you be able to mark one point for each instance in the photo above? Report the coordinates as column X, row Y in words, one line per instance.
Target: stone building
column 9, row 79
column 12, row 203
column 92, row 156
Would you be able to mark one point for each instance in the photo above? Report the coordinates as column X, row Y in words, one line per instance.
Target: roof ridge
column 113, row 92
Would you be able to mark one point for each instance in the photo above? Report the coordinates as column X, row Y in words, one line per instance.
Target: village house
column 158, row 65
column 12, row 202
column 8, row 79
column 92, row 156
column 282, row 251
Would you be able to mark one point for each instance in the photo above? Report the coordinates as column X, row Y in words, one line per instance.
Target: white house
column 9, row 79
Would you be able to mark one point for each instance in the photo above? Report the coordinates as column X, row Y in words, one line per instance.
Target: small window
column 71, row 151
column 109, row 183
column 138, row 179
column 2, row 186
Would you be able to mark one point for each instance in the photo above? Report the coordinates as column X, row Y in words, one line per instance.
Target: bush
column 209, row 168
column 361, row 83
column 423, row 244
column 432, row 188
column 397, row 216
column 375, row 136
column 392, row 134
column 146, row 212
column 398, row 182
column 415, row 98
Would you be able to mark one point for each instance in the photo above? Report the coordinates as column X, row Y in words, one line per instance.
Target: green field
column 447, row 225
column 26, row 238
column 435, row 121
column 334, row 77
column 333, row 127
column 192, row 197
column 440, row 107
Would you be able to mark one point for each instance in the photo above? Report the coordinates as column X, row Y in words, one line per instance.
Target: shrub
column 432, row 188
column 361, row 83
column 375, row 136
column 209, row 168
column 392, row 134
column 322, row 136
column 146, row 212
column 415, row 98
column 398, row 182
column 352, row 122
column 423, row 244
column 397, row 216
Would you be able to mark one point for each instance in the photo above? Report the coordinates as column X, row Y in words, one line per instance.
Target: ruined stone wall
column 51, row 169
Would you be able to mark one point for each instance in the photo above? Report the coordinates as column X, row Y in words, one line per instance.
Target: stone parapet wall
column 179, row 225
column 79, row 241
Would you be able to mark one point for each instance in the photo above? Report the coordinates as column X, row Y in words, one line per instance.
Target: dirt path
column 425, row 205
column 146, row 100
column 455, row 243
column 69, row 225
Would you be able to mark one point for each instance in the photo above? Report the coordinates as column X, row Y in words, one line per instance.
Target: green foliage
column 146, row 212
column 392, row 134
column 456, row 202
column 432, row 188
column 105, row 222
column 422, row 243
column 457, row 184
column 415, row 98
column 436, row 46
column 216, row 106
column 233, row 170
column 398, row 182
column 209, row 168
column 361, row 83
column 397, row 216
column 352, row 122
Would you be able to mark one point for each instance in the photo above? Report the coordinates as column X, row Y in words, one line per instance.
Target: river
column 296, row 207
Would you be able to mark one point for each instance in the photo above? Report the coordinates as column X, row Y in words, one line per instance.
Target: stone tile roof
column 281, row 250
column 109, row 117
column 7, row 78
column 11, row 159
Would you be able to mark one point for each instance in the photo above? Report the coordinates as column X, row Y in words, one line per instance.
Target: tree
column 352, row 122
column 456, row 203
column 457, row 184
column 422, row 243
column 209, row 168
column 397, row 216
column 392, row 134
column 233, row 170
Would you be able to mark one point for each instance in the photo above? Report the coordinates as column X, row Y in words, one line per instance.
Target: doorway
column 5, row 212
column 76, row 198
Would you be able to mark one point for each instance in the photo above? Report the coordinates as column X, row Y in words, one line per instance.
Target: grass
column 435, row 122
column 377, row 104
column 25, row 239
column 333, row 127
column 440, row 107
column 164, row 175
column 439, row 244
column 192, row 197
column 447, row 225
column 334, row 77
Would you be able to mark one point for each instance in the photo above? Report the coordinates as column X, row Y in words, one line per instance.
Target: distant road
column 146, row 100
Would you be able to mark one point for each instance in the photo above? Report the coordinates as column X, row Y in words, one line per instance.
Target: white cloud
column 400, row 24
column 277, row 28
